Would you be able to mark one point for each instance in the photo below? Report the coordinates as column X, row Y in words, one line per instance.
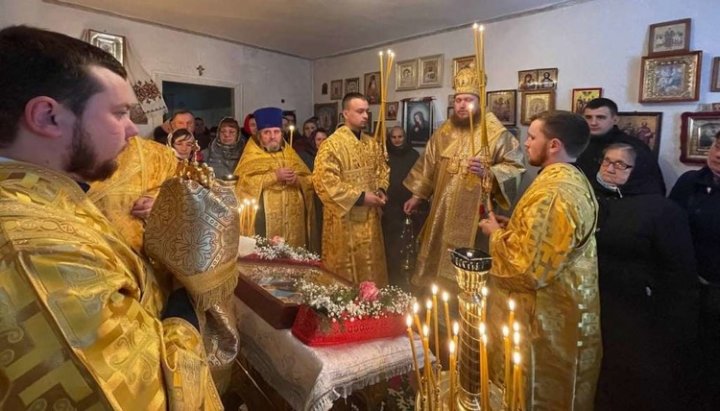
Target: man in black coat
column 698, row 192
column 601, row 115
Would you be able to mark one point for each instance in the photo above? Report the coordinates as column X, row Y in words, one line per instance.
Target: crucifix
column 200, row 69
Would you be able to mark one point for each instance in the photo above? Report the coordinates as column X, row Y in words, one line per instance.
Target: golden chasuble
column 352, row 242
column 288, row 209
column 546, row 260
column 80, row 311
column 441, row 175
column 142, row 168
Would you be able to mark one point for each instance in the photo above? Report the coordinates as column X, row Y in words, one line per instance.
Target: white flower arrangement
column 276, row 248
column 338, row 302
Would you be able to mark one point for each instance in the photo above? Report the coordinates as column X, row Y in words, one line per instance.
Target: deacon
column 272, row 173
column 83, row 322
column 446, row 173
column 545, row 258
column 351, row 178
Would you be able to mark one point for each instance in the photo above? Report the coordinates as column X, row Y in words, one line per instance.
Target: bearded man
column 272, row 173
column 83, row 321
column 443, row 173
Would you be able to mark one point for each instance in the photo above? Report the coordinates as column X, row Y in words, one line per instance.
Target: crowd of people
column 617, row 285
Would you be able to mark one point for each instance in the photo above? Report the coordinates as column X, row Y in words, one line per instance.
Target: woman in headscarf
column 402, row 158
column 183, row 144
column 224, row 152
column 309, row 152
column 648, row 288
column 249, row 127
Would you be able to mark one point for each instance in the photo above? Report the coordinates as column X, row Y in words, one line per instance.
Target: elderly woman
column 647, row 279
column 309, row 150
column 183, row 143
column 224, row 152
column 698, row 192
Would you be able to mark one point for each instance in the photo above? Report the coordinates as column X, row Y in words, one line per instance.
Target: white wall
column 265, row 78
column 597, row 43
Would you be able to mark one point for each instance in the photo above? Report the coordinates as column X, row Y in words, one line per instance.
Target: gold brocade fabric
column 80, row 320
column 546, row 260
column 288, row 209
column 352, row 242
column 441, row 175
column 143, row 166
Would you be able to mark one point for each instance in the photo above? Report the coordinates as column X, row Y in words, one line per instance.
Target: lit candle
column 456, row 332
column 428, row 311
column 508, row 369
column 292, row 130
column 446, row 297
column 471, row 107
column 436, row 309
column 453, row 361
column 515, row 401
column 416, row 317
column 429, row 377
column 484, row 380
column 408, row 322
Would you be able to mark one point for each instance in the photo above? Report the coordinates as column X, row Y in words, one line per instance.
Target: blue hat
column 268, row 117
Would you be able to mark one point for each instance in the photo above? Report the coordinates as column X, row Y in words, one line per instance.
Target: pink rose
column 277, row 240
column 368, row 291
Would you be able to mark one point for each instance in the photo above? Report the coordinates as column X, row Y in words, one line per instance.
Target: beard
column 465, row 122
column 83, row 158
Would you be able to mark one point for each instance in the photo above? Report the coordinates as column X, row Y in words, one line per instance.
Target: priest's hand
column 373, row 200
column 489, row 225
column 476, row 167
column 285, row 175
column 411, row 205
column 142, row 207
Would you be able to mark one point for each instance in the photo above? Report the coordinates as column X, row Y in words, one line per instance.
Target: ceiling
column 314, row 28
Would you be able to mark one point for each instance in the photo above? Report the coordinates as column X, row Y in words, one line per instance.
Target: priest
column 271, row 173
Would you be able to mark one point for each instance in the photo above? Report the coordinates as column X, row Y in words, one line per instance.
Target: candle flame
column 408, row 321
column 428, row 304
column 434, row 289
column 445, row 296
column 452, row 347
column 516, row 326
column 256, row 207
column 506, row 331
column 291, row 127
column 426, row 330
column 471, row 106
column 380, row 53
column 416, row 307
column 482, row 328
column 484, row 291
column 484, row 338
column 481, row 28
column 511, row 304
column 516, row 358
column 456, row 328
column 475, row 26
column 516, row 338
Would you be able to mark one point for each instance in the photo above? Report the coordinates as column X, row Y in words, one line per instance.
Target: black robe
column 648, row 296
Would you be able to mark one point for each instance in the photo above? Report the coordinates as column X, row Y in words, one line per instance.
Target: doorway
column 211, row 103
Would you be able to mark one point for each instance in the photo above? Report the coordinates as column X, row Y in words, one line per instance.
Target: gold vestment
column 142, row 168
column 441, row 175
column 546, row 260
column 352, row 241
column 288, row 209
column 80, row 311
